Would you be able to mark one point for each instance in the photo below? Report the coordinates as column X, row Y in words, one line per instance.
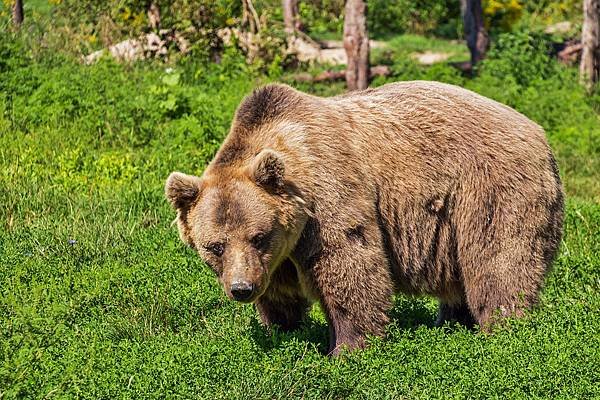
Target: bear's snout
column 242, row 291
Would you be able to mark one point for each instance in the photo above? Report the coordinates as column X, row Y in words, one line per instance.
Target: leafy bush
column 112, row 20
column 89, row 25
column 501, row 15
column 420, row 17
column 551, row 11
column 322, row 16
column 522, row 55
column 126, row 108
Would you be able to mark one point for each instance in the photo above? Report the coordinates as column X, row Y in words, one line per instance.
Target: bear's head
column 243, row 221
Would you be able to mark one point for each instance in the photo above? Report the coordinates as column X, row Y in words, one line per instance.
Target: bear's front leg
column 283, row 304
column 285, row 312
column 355, row 288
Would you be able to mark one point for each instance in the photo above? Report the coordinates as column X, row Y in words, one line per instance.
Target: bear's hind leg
column 503, row 286
column 502, row 247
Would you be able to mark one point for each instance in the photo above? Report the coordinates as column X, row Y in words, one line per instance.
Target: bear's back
column 434, row 109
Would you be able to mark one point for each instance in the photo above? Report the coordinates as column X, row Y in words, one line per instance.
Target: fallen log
column 378, row 70
column 143, row 47
column 570, row 54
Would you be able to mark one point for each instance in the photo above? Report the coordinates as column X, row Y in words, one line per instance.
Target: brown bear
column 413, row 187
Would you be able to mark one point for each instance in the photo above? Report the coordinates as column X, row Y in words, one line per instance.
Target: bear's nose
column 241, row 290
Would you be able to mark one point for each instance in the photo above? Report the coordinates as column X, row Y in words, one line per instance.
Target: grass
column 408, row 44
column 30, row 7
column 99, row 299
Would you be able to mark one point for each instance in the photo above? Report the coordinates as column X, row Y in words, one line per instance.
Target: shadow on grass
column 311, row 331
column 407, row 314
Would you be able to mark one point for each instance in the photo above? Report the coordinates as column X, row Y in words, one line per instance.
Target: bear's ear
column 182, row 189
column 268, row 170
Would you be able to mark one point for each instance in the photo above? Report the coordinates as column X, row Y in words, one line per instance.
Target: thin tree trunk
column 153, row 12
column 250, row 17
column 477, row 37
column 18, row 12
column 356, row 44
column 590, row 39
column 291, row 16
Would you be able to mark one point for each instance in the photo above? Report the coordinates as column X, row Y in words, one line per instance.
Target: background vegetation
column 98, row 297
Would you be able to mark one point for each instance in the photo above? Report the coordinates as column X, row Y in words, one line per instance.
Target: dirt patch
column 430, row 57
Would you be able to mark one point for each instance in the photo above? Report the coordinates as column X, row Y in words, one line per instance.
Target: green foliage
column 552, row 11
column 501, row 15
column 99, row 299
column 322, row 16
column 420, row 17
column 108, row 21
column 400, row 48
column 523, row 56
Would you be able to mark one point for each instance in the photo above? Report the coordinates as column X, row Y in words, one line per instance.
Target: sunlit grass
column 99, row 299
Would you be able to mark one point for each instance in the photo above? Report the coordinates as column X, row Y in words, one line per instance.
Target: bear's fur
column 413, row 187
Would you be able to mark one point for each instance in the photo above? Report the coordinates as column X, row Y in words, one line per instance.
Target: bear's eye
column 216, row 248
column 259, row 241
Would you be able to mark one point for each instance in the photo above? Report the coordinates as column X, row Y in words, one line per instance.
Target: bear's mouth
column 248, row 300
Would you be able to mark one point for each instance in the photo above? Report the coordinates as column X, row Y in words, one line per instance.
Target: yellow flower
column 139, row 19
column 126, row 14
column 502, row 13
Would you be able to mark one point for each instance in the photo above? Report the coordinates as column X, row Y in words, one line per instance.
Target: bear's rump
column 434, row 240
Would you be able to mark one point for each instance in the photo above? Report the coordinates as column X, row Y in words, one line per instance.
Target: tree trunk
column 590, row 39
column 477, row 38
column 291, row 16
column 250, row 17
column 356, row 44
column 153, row 12
column 18, row 12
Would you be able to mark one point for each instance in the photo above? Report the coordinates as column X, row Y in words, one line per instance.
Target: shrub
column 501, row 15
column 551, row 11
column 522, row 56
column 421, row 17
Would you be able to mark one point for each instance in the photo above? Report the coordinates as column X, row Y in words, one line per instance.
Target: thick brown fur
column 417, row 187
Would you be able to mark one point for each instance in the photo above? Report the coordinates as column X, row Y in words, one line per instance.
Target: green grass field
column 99, row 299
